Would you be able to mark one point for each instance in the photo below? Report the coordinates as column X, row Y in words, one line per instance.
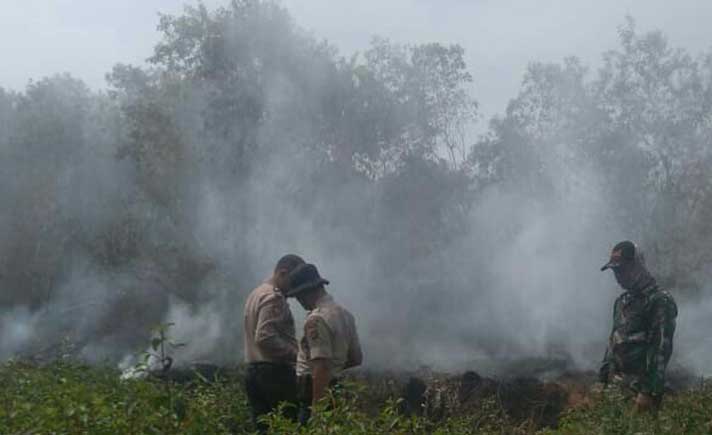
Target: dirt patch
column 520, row 399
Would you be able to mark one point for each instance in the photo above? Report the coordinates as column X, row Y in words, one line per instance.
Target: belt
column 638, row 337
column 269, row 364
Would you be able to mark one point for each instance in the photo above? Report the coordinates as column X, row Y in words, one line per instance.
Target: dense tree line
column 246, row 137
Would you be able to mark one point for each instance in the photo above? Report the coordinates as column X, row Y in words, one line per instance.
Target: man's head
column 308, row 299
column 622, row 254
column 285, row 265
column 628, row 265
column 306, row 285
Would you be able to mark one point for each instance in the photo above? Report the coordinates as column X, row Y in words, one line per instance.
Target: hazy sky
column 86, row 37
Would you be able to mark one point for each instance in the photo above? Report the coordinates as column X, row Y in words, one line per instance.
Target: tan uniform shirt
column 329, row 333
column 269, row 327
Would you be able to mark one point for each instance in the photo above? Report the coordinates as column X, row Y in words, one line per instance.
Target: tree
column 547, row 129
column 408, row 101
column 657, row 102
column 641, row 125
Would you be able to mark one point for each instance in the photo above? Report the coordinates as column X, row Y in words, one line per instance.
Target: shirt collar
column 325, row 299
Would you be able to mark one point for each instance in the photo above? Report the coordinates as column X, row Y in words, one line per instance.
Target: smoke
column 17, row 329
column 522, row 281
column 169, row 199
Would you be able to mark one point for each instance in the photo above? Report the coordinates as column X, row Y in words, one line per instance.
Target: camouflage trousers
column 629, row 386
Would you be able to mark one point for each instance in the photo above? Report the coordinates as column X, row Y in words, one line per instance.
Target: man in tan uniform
column 330, row 343
column 270, row 344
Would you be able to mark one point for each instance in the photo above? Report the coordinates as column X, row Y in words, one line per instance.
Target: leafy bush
column 683, row 413
column 72, row 398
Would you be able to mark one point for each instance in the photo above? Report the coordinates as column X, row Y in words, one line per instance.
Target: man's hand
column 643, row 403
column 598, row 388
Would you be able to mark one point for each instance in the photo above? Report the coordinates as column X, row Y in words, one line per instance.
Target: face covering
column 633, row 275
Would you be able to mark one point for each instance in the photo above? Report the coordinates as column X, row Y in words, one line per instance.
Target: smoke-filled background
column 456, row 237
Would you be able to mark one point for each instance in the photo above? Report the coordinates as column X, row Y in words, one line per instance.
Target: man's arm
column 606, row 367
column 321, row 353
column 355, row 355
column 662, row 330
column 608, row 363
column 321, row 377
column 273, row 333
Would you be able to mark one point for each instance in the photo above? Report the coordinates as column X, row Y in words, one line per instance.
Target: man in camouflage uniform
column 640, row 343
column 330, row 343
column 271, row 345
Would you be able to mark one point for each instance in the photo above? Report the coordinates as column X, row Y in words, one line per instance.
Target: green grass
column 688, row 412
column 67, row 398
column 71, row 398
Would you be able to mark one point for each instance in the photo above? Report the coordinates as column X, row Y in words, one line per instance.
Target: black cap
column 623, row 252
column 304, row 277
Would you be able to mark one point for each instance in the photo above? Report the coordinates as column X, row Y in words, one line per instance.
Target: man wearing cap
column 640, row 343
column 330, row 343
column 271, row 345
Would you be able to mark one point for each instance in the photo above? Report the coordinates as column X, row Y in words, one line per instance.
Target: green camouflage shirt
column 641, row 340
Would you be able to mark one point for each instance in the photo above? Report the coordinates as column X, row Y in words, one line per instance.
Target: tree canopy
column 246, row 136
